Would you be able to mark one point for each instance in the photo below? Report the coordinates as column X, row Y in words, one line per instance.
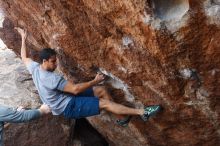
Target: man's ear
column 44, row 60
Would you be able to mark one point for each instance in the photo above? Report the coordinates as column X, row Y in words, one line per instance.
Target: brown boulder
column 155, row 52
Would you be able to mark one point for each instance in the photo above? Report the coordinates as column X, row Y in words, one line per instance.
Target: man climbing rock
column 69, row 99
column 12, row 115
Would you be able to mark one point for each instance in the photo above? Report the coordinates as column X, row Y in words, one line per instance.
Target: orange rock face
column 156, row 52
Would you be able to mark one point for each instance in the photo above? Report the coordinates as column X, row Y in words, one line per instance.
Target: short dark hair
column 46, row 53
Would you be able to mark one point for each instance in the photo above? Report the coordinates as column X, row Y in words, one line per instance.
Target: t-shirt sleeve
column 31, row 66
column 59, row 82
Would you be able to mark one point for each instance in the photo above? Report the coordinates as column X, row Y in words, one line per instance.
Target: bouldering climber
column 70, row 99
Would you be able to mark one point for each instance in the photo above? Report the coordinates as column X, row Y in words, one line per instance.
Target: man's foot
column 150, row 111
column 124, row 122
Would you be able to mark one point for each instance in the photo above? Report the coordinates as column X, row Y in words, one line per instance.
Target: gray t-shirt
column 50, row 86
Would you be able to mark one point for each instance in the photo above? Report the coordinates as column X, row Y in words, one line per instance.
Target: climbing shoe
column 124, row 122
column 150, row 111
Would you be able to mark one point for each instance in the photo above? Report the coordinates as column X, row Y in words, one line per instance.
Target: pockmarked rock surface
column 154, row 52
column 46, row 131
column 16, row 85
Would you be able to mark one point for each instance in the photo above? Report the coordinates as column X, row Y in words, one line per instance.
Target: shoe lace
column 149, row 110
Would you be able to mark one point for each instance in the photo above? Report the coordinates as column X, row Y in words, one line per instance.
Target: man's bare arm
column 78, row 88
column 24, row 57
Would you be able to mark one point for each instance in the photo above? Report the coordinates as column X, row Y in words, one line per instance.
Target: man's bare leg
column 102, row 93
column 118, row 108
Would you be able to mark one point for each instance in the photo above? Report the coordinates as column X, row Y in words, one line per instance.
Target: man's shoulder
column 56, row 74
column 34, row 63
column 51, row 76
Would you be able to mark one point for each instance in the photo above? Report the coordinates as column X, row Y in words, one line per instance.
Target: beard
column 51, row 70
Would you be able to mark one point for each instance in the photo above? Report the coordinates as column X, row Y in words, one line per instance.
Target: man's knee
column 100, row 91
column 103, row 103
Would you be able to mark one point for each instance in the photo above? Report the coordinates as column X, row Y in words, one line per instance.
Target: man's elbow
column 23, row 58
column 70, row 88
column 75, row 90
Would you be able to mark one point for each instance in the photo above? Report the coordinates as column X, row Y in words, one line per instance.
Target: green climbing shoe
column 150, row 111
column 124, row 122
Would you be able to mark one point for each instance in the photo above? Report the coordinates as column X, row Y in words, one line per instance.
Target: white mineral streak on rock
column 2, row 45
column 126, row 40
column 1, row 18
column 146, row 18
column 119, row 84
column 212, row 10
column 121, row 68
column 186, row 73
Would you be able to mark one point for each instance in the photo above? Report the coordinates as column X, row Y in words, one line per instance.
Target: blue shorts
column 82, row 105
